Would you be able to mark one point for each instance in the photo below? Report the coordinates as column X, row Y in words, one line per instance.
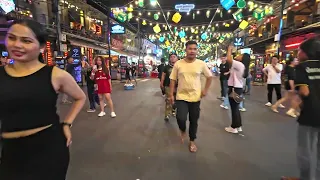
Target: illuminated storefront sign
column 238, row 42
column 118, row 29
column 7, row 5
column 184, row 7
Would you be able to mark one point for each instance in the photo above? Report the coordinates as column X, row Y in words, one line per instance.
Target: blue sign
column 238, row 42
column 227, row 4
column 184, row 7
column 118, row 29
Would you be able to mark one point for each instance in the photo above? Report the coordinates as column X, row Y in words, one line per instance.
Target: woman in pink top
column 239, row 69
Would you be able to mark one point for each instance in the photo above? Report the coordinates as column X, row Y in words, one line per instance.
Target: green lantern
column 122, row 17
column 140, row 3
column 156, row 16
column 238, row 15
column 268, row 11
column 241, row 4
column 258, row 14
column 129, row 16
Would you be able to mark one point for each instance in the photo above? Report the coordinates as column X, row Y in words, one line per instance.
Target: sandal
column 193, row 148
column 182, row 136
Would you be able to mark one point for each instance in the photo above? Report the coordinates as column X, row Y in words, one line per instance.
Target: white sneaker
column 268, row 104
column 291, row 113
column 224, row 107
column 231, row 130
column 242, row 109
column 282, row 106
column 101, row 114
column 239, row 129
column 113, row 114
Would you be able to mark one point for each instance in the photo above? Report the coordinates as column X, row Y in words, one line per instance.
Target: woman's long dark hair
column 38, row 29
column 103, row 64
column 246, row 63
column 311, row 48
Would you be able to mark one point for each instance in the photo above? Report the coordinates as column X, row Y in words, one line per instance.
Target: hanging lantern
column 227, row 4
column 241, row 4
column 140, row 3
column 122, row 17
column 204, row 36
column 268, row 11
column 130, row 9
column 227, row 25
column 183, row 40
column 258, row 14
column 161, row 39
column 238, row 15
column 208, row 13
column 193, row 16
column 196, row 32
column 167, row 43
column 156, row 16
column 144, row 22
column 182, row 34
column 176, row 17
column 165, row 27
column 130, row 16
column 176, row 34
column 157, row 28
column 192, row 30
column 213, row 29
column 244, row 24
column 168, row 15
column 221, row 39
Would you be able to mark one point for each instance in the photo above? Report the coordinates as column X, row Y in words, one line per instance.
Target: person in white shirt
column 239, row 69
column 273, row 72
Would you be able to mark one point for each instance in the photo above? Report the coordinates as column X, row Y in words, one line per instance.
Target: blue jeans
column 248, row 83
column 308, row 152
column 225, row 92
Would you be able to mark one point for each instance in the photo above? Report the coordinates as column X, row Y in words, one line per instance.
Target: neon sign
column 238, row 42
column 184, row 7
column 118, row 29
column 7, row 5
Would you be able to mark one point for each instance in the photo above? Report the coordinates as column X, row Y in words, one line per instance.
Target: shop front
column 290, row 46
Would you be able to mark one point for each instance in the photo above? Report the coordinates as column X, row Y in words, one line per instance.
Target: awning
column 123, row 52
column 92, row 45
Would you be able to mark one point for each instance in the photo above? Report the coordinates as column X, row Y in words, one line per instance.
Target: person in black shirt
column 128, row 74
column 160, row 70
column 165, row 84
column 134, row 72
column 92, row 95
column 70, row 69
column 307, row 82
column 289, row 75
column 224, row 75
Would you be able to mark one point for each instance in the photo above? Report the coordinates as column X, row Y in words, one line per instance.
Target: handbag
column 235, row 96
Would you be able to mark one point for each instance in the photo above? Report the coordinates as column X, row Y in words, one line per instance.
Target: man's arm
column 265, row 70
column 302, row 81
column 207, row 73
column 277, row 69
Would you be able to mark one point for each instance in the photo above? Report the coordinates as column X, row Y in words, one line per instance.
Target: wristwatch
column 66, row 124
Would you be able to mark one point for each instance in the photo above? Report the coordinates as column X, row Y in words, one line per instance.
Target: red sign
column 294, row 42
column 116, row 44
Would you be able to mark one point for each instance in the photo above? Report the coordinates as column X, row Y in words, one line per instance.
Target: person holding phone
column 101, row 75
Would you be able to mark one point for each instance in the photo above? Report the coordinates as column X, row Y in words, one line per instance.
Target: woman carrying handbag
column 238, row 70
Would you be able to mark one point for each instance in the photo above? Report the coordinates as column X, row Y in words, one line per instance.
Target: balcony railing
column 289, row 29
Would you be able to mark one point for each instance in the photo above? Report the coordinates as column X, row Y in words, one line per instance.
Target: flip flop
column 193, row 148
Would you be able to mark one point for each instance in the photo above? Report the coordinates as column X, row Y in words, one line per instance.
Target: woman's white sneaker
column 231, row 130
column 113, row 114
column 101, row 114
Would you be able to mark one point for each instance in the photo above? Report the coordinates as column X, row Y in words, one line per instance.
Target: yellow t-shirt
column 189, row 79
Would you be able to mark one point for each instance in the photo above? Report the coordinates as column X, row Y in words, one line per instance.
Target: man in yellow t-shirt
column 188, row 73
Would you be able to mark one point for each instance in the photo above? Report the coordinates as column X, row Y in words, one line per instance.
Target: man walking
column 165, row 84
column 188, row 73
column 224, row 76
column 273, row 72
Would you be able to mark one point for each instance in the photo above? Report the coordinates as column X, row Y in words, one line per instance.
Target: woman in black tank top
column 35, row 143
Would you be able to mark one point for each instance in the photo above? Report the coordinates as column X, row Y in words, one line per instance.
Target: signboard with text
column 117, row 29
column 184, row 7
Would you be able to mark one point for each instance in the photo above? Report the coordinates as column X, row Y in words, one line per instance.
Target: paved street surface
column 138, row 144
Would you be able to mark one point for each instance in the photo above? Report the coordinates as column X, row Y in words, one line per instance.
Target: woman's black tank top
column 27, row 102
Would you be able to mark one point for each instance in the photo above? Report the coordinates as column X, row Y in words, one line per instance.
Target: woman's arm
column 229, row 56
column 66, row 84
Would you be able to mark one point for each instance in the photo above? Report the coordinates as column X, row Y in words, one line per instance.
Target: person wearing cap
column 224, row 76
column 165, row 84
